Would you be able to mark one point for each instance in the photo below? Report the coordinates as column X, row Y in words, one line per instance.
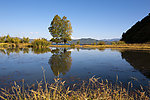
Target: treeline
column 138, row 33
column 8, row 39
column 12, row 42
column 101, row 43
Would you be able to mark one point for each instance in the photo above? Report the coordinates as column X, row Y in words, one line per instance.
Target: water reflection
column 60, row 61
column 41, row 50
column 25, row 50
column 139, row 59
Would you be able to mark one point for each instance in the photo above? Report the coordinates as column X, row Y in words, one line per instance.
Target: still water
column 74, row 65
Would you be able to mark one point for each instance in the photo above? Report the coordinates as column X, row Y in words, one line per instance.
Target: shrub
column 72, row 45
column 2, row 39
column 121, row 42
column 94, row 43
column 117, row 42
column 16, row 40
column 78, row 42
column 101, row 43
column 25, row 40
column 40, row 43
column 113, row 43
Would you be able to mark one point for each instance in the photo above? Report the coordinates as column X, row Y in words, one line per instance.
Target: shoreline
column 128, row 46
column 123, row 46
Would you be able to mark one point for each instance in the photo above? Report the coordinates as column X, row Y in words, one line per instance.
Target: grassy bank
column 14, row 45
column 127, row 46
column 130, row 46
column 96, row 89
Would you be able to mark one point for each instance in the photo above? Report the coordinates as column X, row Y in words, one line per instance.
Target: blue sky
column 99, row 19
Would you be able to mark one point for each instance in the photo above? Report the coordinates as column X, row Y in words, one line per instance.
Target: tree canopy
column 60, row 29
column 138, row 33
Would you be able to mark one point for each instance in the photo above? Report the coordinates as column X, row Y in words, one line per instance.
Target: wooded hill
column 138, row 33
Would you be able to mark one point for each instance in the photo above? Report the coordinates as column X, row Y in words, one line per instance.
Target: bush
column 8, row 39
column 17, row 40
column 72, row 45
column 121, row 42
column 118, row 42
column 2, row 39
column 25, row 40
column 113, row 43
column 94, row 43
column 40, row 43
column 78, row 42
column 101, row 43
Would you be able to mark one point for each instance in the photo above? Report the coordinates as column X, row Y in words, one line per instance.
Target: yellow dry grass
column 94, row 90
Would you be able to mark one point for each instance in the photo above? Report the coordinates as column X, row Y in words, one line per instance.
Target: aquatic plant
column 95, row 89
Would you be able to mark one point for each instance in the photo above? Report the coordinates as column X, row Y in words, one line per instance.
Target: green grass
column 94, row 90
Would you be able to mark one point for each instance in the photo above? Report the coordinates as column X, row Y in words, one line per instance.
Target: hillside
column 90, row 40
column 138, row 33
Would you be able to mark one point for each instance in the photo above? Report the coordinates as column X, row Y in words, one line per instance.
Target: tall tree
column 66, row 30
column 60, row 29
column 55, row 29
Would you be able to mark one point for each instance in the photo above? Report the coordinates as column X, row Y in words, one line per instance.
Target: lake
column 74, row 65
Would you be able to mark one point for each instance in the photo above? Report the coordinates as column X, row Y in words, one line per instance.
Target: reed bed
column 95, row 89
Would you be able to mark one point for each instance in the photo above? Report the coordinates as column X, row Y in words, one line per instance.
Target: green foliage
column 2, row 39
column 118, row 43
column 60, row 29
column 16, row 40
column 101, row 43
column 94, row 43
column 72, row 45
column 78, row 42
column 55, row 40
column 113, row 43
column 138, row 33
column 121, row 42
column 66, row 30
column 8, row 39
column 40, row 43
column 25, row 40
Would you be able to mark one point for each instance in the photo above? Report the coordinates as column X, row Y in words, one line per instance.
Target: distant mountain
column 90, row 40
column 138, row 33
column 110, row 40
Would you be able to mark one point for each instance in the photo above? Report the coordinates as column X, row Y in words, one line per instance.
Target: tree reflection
column 2, row 51
column 140, row 60
column 41, row 50
column 60, row 61
column 12, row 50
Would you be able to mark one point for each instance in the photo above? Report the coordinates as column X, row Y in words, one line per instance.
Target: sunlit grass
column 130, row 46
column 95, row 89
column 14, row 45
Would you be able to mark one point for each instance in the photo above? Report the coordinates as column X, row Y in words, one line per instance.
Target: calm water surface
column 74, row 65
